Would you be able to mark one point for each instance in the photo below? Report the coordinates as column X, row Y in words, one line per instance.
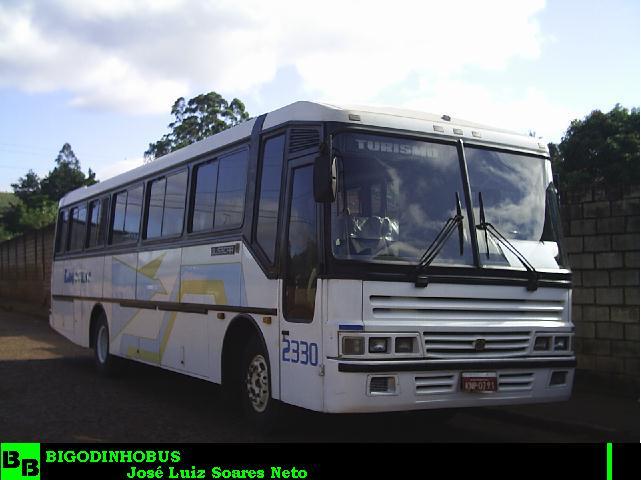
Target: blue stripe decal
column 352, row 327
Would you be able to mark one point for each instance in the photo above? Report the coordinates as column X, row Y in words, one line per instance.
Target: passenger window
column 63, row 227
column 174, row 211
column 302, row 255
column 155, row 207
column 94, row 236
column 134, row 210
column 230, row 197
column 204, row 197
column 127, row 209
column 78, row 228
column 269, row 199
column 104, row 221
column 118, row 227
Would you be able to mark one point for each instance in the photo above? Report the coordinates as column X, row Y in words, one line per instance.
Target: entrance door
column 300, row 318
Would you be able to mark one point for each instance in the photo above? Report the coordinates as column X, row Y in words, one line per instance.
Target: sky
column 103, row 75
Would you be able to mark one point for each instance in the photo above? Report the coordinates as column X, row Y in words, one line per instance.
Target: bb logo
column 20, row 461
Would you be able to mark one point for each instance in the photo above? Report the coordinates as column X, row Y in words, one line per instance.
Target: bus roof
column 410, row 120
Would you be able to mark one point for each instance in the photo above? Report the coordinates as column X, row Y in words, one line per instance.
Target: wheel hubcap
column 257, row 382
column 102, row 344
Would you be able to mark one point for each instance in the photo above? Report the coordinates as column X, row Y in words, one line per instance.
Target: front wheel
column 258, row 405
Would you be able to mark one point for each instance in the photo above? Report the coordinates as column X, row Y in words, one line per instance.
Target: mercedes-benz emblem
column 479, row 344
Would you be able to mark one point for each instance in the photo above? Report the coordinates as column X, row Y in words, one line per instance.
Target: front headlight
column 353, row 345
column 404, row 345
column 378, row 344
column 561, row 343
column 542, row 343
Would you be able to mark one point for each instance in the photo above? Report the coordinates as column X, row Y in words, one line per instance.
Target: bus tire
column 106, row 363
column 259, row 406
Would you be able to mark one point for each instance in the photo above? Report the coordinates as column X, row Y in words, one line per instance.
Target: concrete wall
column 25, row 267
column 601, row 230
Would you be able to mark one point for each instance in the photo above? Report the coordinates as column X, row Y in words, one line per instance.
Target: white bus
column 338, row 259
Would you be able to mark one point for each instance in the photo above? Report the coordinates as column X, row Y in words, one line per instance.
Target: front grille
column 476, row 344
column 439, row 309
column 515, row 382
column 435, row 383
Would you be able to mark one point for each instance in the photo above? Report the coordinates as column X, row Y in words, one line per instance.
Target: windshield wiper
column 487, row 227
column 439, row 242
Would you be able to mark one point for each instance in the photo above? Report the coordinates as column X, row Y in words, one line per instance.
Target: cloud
column 138, row 56
column 107, row 170
column 521, row 111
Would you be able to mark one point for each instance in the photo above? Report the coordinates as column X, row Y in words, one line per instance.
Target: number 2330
column 300, row 351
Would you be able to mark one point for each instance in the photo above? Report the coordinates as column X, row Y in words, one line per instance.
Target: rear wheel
column 255, row 386
column 106, row 363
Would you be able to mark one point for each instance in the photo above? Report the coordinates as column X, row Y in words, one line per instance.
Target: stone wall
column 601, row 229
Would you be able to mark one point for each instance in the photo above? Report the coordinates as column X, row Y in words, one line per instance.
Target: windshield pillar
column 468, row 202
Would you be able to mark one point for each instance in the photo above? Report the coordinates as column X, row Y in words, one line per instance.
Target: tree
column 21, row 217
column 7, row 200
column 36, row 200
column 603, row 148
column 28, row 188
column 66, row 175
column 198, row 118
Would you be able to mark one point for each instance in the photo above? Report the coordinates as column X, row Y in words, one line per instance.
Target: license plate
column 479, row 382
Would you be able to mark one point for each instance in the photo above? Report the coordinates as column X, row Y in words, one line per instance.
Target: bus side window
column 104, row 221
column 269, row 199
column 166, row 205
column 63, row 227
column 134, row 211
column 78, row 228
column 230, row 197
column 204, row 196
column 155, row 203
column 94, row 223
column 126, row 218
column 118, row 222
column 174, row 208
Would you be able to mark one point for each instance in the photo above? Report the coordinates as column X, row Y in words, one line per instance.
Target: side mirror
column 325, row 181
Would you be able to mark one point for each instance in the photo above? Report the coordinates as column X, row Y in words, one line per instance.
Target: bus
column 340, row 259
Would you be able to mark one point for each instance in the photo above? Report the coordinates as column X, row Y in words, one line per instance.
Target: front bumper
column 430, row 384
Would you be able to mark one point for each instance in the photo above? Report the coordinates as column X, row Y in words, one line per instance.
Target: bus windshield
column 395, row 194
column 513, row 191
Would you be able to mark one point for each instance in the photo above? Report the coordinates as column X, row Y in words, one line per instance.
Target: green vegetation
column 7, row 199
column 198, row 118
column 34, row 202
column 601, row 149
